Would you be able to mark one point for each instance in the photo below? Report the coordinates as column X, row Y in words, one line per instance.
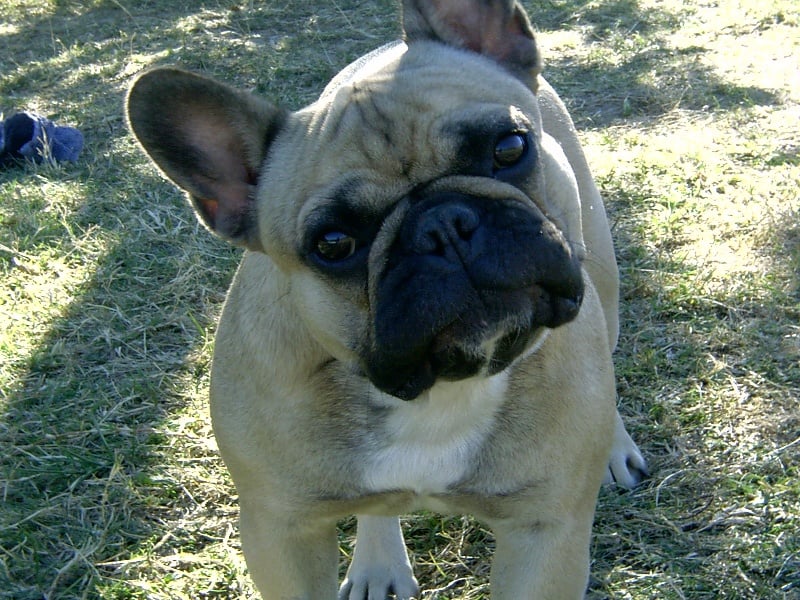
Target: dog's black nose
column 443, row 225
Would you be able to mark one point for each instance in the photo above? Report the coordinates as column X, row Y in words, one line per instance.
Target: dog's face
column 408, row 207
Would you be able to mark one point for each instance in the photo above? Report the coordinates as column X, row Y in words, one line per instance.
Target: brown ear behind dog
column 425, row 313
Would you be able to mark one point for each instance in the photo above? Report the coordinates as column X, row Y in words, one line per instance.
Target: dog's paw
column 380, row 564
column 626, row 467
column 379, row 581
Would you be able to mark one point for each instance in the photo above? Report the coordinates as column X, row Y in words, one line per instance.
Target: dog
column 425, row 312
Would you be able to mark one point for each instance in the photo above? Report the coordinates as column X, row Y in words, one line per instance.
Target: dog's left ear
column 210, row 140
column 498, row 29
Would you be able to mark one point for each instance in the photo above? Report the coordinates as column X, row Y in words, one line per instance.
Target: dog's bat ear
column 499, row 29
column 210, row 140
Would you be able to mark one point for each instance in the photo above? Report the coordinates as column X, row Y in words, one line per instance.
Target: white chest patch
column 430, row 442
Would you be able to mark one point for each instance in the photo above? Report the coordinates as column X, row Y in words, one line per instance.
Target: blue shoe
column 32, row 136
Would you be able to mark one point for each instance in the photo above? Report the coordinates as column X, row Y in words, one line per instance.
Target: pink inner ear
column 498, row 29
column 225, row 179
column 226, row 206
column 222, row 182
column 219, row 145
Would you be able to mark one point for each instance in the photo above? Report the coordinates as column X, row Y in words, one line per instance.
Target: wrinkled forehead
column 411, row 112
column 426, row 78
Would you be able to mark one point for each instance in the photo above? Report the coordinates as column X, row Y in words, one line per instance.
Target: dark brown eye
column 335, row 246
column 510, row 149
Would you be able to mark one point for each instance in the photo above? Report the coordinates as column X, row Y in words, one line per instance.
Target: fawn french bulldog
column 425, row 313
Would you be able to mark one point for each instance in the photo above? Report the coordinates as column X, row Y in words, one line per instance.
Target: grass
column 690, row 112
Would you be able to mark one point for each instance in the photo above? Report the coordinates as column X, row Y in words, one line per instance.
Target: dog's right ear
column 210, row 140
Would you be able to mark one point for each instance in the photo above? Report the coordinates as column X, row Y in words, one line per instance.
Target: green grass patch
column 690, row 113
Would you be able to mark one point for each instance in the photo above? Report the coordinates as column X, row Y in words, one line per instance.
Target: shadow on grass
column 600, row 19
column 634, row 72
column 599, row 95
column 83, row 467
column 84, row 478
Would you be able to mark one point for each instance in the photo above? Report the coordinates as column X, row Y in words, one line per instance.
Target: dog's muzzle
column 466, row 285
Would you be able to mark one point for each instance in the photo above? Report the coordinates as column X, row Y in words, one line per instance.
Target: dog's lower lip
column 408, row 388
column 446, row 362
column 412, row 387
column 566, row 309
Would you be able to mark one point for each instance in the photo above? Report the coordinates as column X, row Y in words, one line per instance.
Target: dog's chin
column 450, row 364
column 449, row 360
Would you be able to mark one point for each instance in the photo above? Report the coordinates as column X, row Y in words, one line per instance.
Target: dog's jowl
column 425, row 312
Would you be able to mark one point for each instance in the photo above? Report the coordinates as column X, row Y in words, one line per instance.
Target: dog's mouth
column 449, row 364
column 469, row 346
column 408, row 381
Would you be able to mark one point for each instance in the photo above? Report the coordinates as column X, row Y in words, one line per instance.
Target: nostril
column 428, row 240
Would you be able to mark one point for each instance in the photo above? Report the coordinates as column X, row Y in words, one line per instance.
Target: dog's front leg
column 289, row 558
column 380, row 562
column 541, row 560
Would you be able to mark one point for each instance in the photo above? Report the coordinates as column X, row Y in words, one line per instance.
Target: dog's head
column 426, row 230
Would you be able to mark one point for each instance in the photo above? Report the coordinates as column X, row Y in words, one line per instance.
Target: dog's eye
column 335, row 246
column 509, row 150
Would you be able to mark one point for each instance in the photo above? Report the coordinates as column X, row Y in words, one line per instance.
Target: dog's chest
column 430, row 443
